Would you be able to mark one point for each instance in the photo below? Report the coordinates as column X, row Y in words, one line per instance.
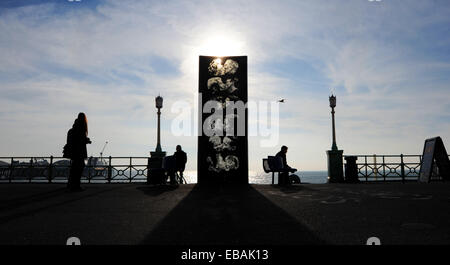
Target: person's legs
column 181, row 176
column 78, row 172
column 72, row 173
column 176, row 176
column 287, row 180
column 282, row 178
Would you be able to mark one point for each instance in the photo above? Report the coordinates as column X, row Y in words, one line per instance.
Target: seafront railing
column 56, row 169
column 390, row 167
column 134, row 169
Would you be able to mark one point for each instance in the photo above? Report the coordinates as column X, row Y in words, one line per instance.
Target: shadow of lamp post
column 335, row 167
column 155, row 172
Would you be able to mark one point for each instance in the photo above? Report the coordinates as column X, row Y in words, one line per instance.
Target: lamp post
column 333, row 105
column 159, row 105
column 155, row 172
column 335, row 165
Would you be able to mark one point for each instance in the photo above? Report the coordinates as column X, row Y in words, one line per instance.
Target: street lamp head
column 332, row 101
column 159, row 102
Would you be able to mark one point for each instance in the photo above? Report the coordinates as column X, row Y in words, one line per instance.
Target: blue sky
column 388, row 62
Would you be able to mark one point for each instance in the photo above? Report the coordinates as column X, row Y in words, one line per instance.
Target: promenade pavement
column 410, row 213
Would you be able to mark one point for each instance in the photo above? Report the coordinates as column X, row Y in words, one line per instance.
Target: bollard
column 351, row 169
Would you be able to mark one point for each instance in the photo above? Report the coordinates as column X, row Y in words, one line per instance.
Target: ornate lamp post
column 155, row 172
column 333, row 105
column 335, row 165
column 159, row 105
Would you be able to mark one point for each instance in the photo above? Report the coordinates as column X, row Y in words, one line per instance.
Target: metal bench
column 274, row 164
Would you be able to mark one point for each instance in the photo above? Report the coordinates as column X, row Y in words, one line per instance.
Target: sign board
column 222, row 140
column 434, row 150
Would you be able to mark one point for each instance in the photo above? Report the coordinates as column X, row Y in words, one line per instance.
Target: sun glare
column 218, row 63
column 221, row 45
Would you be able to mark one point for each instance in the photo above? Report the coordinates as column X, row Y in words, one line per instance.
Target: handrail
column 53, row 169
column 374, row 167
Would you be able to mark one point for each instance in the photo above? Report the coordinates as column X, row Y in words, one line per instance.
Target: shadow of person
column 229, row 215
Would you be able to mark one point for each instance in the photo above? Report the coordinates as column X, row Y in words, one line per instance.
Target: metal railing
column 56, row 169
column 390, row 167
column 134, row 169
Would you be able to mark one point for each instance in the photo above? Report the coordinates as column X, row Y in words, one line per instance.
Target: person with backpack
column 76, row 150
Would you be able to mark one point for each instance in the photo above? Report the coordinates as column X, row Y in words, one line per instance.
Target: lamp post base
column 155, row 171
column 158, row 154
column 335, row 166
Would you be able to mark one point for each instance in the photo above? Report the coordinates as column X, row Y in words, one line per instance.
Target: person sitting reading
column 284, row 175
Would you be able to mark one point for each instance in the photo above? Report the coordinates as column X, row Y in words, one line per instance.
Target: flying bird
column 281, row 100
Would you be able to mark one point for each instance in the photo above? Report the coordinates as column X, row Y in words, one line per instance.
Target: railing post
column 89, row 168
column 30, row 169
column 402, row 168
column 375, row 167
column 50, row 170
column 420, row 164
column 11, row 170
column 384, row 169
column 365, row 165
column 130, row 168
column 109, row 170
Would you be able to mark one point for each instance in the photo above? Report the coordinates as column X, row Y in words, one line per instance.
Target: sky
column 387, row 61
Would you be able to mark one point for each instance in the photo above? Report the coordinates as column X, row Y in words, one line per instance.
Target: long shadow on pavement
column 293, row 188
column 7, row 204
column 49, row 200
column 229, row 215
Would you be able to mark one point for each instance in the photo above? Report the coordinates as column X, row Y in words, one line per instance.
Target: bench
column 169, row 166
column 274, row 164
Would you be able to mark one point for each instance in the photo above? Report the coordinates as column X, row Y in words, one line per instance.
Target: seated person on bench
column 181, row 159
column 284, row 176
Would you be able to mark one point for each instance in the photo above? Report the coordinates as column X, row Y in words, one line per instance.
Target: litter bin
column 155, row 171
column 351, row 169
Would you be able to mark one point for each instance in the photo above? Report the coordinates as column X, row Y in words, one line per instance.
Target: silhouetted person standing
column 181, row 159
column 284, row 175
column 77, row 140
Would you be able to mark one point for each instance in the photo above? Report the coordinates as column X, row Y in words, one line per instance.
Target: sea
column 121, row 173
column 311, row 177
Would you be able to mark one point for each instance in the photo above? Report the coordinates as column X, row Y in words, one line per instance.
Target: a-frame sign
column 434, row 151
